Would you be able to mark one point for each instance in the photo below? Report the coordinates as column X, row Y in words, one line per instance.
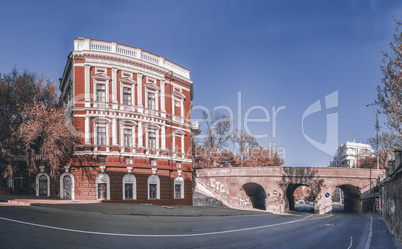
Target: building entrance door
column 102, row 191
column 67, row 188
column 43, row 186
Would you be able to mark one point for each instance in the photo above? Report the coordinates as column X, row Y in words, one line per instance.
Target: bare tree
column 387, row 143
column 218, row 132
column 390, row 92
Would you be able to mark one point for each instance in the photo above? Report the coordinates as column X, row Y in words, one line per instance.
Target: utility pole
column 378, row 130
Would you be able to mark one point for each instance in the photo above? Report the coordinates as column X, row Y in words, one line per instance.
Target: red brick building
column 132, row 109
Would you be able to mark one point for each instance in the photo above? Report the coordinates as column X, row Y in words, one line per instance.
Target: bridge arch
column 290, row 199
column 352, row 201
column 257, row 195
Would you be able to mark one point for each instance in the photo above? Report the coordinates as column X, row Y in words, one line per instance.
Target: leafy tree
column 390, row 92
column 32, row 125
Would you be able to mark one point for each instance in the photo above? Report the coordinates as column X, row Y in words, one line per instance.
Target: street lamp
column 378, row 129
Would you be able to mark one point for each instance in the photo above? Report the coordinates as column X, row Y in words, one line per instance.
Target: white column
column 140, row 135
column 87, row 86
column 107, row 138
column 87, row 130
column 114, row 85
column 139, row 92
column 163, row 137
column 182, row 144
column 114, row 132
column 163, row 99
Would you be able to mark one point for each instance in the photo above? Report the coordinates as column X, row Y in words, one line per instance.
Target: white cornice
column 110, row 59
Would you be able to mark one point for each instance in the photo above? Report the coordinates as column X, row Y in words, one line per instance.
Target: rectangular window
column 101, row 135
column 128, row 137
column 152, row 162
column 151, row 101
column 152, row 191
column 101, row 92
column 128, row 188
column 177, row 191
column 152, row 140
column 178, row 164
column 128, row 160
column 101, row 159
column 126, row 96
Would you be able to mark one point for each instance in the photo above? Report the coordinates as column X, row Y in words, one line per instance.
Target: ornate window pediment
column 179, row 132
column 152, row 86
column 128, row 80
column 101, row 120
column 178, row 95
column 128, row 123
column 101, row 76
column 152, row 126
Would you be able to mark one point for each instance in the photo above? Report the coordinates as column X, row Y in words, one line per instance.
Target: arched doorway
column 67, row 186
column 102, row 187
column 257, row 195
column 42, row 183
column 351, row 199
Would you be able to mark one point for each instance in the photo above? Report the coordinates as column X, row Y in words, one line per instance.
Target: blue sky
column 275, row 53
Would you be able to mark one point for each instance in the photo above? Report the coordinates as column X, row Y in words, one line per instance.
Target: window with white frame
column 102, row 187
column 152, row 140
column 128, row 137
column 127, row 96
column 100, row 92
column 178, row 164
column 101, row 135
column 152, row 161
column 153, row 187
column 151, row 101
column 129, row 187
column 178, row 187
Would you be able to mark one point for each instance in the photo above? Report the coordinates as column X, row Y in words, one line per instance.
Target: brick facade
column 132, row 110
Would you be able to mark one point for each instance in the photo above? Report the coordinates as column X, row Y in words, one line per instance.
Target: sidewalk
column 381, row 235
column 122, row 208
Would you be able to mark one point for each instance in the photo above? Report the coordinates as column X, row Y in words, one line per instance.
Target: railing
column 83, row 44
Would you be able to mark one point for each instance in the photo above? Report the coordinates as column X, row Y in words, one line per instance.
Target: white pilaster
column 114, row 132
column 87, row 130
column 140, row 135
column 87, row 86
column 114, row 85
column 139, row 92
column 163, row 137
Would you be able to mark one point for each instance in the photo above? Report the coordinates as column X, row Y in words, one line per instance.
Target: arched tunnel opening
column 346, row 198
column 299, row 198
column 257, row 195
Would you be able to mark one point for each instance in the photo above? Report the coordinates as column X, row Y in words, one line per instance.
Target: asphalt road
column 42, row 227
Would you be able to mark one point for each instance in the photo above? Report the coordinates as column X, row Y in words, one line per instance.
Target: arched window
column 43, row 184
column 129, row 187
column 178, row 187
column 67, row 186
column 153, row 187
column 102, row 187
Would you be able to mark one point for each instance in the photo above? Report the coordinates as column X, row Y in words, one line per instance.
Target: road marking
column 351, row 242
column 370, row 233
column 157, row 235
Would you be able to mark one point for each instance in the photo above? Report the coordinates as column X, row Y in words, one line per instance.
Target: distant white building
column 348, row 154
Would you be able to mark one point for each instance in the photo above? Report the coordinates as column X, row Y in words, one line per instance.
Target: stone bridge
column 272, row 188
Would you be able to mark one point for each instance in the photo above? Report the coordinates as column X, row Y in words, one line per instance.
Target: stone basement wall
column 392, row 204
